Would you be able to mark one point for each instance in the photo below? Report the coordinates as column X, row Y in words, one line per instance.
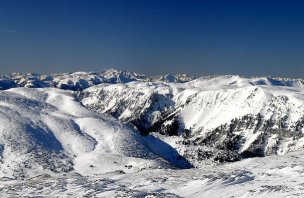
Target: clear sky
column 257, row 37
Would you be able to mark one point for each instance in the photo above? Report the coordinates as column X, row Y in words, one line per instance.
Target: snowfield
column 122, row 134
column 272, row 176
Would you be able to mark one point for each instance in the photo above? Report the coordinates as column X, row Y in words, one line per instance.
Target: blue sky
column 154, row 37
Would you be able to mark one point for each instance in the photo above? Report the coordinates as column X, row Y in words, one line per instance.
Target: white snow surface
column 271, row 176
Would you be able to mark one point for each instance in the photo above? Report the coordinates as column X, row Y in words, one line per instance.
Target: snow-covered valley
column 122, row 134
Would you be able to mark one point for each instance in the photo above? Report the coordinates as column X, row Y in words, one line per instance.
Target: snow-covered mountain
column 118, row 133
column 78, row 81
column 178, row 78
column 247, row 116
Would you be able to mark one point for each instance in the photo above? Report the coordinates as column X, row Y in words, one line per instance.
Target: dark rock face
column 198, row 154
column 169, row 125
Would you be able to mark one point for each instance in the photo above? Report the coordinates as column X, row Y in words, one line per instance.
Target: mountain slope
column 47, row 130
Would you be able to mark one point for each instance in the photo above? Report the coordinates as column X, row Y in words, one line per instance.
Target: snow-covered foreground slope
column 271, row 176
column 249, row 117
column 48, row 131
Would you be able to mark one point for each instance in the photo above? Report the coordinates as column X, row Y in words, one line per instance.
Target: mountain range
column 113, row 123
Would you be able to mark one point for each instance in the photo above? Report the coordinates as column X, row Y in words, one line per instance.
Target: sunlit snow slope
column 47, row 130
